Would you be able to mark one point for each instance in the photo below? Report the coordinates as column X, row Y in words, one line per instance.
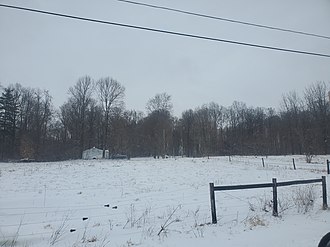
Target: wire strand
column 225, row 19
column 168, row 32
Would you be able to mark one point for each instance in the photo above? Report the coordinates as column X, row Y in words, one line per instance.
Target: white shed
column 94, row 153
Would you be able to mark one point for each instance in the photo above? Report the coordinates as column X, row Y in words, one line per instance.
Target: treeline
column 95, row 116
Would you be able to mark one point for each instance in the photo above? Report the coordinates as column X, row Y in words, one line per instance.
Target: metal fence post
column 324, row 193
column 213, row 209
column 328, row 166
column 275, row 210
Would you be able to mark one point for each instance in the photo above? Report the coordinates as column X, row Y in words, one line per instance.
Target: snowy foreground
column 148, row 202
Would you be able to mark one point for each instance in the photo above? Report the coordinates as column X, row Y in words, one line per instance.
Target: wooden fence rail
column 273, row 185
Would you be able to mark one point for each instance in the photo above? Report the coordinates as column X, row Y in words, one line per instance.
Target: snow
column 42, row 202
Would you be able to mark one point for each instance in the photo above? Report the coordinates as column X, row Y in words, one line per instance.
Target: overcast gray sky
column 52, row 53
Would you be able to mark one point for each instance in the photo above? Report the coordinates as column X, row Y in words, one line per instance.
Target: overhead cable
column 168, row 32
column 225, row 19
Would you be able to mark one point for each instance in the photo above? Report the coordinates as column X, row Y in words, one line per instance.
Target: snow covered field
column 149, row 202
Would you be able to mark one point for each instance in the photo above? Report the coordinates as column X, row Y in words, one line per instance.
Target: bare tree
column 217, row 118
column 292, row 107
column 81, row 97
column 42, row 117
column 161, row 102
column 188, row 122
column 111, row 94
column 318, row 106
column 160, row 123
column 35, row 112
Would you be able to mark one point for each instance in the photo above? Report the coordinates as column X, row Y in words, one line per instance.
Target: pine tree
column 8, row 118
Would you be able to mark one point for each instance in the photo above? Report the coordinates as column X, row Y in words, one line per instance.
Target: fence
column 294, row 164
column 274, row 185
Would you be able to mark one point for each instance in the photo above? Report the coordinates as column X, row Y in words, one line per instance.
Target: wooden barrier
column 294, row 164
column 273, row 185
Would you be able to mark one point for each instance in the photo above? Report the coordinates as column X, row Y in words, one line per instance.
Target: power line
column 168, row 32
column 225, row 19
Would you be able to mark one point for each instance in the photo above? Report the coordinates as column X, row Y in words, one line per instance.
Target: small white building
column 94, row 153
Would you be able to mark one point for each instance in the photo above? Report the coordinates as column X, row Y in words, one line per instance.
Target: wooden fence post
column 324, row 193
column 275, row 210
column 263, row 162
column 294, row 164
column 328, row 166
column 213, row 209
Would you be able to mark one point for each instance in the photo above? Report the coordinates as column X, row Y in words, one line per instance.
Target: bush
column 304, row 198
column 309, row 158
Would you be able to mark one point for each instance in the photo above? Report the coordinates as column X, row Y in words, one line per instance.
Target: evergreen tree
column 8, row 119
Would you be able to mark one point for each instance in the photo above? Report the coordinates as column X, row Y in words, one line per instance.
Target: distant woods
column 95, row 116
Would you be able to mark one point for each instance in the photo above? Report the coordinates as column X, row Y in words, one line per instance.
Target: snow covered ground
column 155, row 202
